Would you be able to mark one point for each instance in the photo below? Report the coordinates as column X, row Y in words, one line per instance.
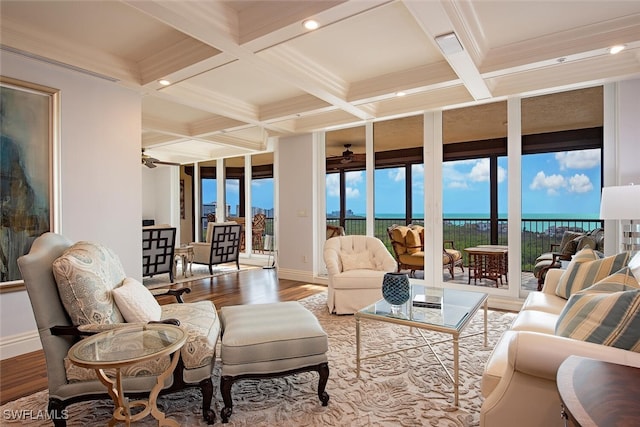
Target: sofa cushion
column 355, row 261
column 569, row 244
column 359, row 279
column 542, row 301
column 415, row 259
column 586, row 269
column 601, row 316
column 86, row 273
column 535, row 321
column 136, row 302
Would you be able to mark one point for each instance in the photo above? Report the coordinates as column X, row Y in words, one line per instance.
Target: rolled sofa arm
column 540, row 355
column 527, row 391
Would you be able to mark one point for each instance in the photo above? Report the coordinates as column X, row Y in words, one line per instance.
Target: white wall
column 295, row 241
column 629, row 132
column 161, row 195
column 100, row 128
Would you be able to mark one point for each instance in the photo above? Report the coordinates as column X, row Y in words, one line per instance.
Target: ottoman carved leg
column 226, row 382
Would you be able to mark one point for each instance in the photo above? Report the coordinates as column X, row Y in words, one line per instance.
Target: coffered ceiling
column 243, row 71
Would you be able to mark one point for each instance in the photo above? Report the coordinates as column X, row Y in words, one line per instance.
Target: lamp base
column 631, row 237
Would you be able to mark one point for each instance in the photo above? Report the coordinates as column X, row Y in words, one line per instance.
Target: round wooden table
column 118, row 348
column 597, row 393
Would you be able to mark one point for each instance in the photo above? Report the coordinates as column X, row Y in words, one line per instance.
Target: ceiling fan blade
column 159, row 162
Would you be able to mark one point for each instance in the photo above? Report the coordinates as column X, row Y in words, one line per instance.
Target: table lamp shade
column 623, row 203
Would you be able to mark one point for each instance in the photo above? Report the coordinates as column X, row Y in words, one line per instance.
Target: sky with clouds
column 564, row 183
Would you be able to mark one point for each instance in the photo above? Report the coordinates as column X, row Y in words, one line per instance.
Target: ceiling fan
column 152, row 162
column 348, row 156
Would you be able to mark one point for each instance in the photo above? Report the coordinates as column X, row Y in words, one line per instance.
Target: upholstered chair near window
column 80, row 289
column 356, row 266
column 222, row 245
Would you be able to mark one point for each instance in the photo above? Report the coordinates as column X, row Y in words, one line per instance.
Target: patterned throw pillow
column 586, row 268
column 606, row 313
column 85, row 274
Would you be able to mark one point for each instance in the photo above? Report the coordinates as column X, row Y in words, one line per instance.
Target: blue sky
column 261, row 193
column 565, row 183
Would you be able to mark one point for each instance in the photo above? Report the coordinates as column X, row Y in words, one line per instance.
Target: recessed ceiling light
column 310, row 24
column 400, row 93
column 616, row 49
column 164, row 82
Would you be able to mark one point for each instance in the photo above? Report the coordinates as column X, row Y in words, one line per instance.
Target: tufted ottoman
column 269, row 340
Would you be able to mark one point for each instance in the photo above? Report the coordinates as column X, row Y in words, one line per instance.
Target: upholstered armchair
column 572, row 242
column 80, row 289
column 222, row 245
column 407, row 242
column 356, row 266
column 158, row 250
column 335, row 230
column 258, row 227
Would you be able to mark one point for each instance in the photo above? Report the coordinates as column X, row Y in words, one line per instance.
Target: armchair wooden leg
column 207, row 395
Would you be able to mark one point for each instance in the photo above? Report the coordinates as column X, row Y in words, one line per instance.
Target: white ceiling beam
column 216, row 25
column 435, row 22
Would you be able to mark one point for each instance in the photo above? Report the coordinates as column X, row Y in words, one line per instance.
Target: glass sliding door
column 262, row 203
column 561, row 177
column 474, row 193
column 345, row 179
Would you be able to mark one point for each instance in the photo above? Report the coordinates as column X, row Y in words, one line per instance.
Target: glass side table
column 118, row 348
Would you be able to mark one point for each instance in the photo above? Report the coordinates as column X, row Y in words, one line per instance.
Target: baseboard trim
column 18, row 344
column 297, row 275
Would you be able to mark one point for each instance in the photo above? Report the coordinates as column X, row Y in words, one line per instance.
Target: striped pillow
column 606, row 313
column 586, row 268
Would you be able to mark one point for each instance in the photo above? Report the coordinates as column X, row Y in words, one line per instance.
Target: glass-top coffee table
column 121, row 347
column 457, row 308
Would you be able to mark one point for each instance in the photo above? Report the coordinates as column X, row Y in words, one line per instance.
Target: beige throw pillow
column 136, row 303
column 355, row 261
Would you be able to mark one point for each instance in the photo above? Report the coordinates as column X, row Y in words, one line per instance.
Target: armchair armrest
column 86, row 330
column 448, row 242
column 177, row 293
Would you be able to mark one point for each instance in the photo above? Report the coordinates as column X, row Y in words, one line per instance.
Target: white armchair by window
column 356, row 266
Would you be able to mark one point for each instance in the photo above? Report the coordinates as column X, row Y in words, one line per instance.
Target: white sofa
column 519, row 380
column 356, row 266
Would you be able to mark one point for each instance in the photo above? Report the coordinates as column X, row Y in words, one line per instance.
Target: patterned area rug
column 198, row 271
column 403, row 389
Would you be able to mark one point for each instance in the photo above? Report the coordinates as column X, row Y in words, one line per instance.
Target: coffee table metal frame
column 104, row 351
column 464, row 303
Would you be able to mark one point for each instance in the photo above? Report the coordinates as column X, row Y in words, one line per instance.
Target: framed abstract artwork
column 28, row 172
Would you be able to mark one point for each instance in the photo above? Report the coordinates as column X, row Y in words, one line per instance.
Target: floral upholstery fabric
column 147, row 368
column 85, row 274
column 201, row 321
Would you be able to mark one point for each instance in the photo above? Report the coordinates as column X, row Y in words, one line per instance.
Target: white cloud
column 580, row 183
column 352, row 178
column 457, row 184
column 333, row 185
column 551, row 183
column 352, row 193
column 396, row 174
column 584, row 159
column 480, row 171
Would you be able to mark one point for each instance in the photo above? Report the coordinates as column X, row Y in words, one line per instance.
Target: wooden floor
column 26, row 374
